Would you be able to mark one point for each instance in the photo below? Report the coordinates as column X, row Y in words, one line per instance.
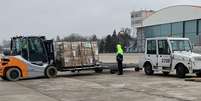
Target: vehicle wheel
column 166, row 73
column 148, row 69
column 180, row 71
column 198, row 74
column 98, row 70
column 12, row 74
column 137, row 69
column 4, row 78
column 51, row 72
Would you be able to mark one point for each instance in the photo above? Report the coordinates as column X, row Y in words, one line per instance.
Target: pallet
column 113, row 67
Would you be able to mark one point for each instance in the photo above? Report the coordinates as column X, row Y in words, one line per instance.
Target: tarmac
column 90, row 86
column 128, row 58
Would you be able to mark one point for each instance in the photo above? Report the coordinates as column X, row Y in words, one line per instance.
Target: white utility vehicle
column 165, row 54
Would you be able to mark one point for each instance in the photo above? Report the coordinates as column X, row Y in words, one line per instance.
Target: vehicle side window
column 151, row 47
column 163, row 47
column 36, row 49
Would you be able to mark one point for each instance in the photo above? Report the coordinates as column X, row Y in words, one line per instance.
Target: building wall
column 188, row 29
column 137, row 18
column 175, row 21
column 173, row 14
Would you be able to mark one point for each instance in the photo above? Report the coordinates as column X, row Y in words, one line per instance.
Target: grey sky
column 61, row 17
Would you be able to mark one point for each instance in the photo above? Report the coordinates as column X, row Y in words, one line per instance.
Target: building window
column 166, row 30
column 190, row 31
column 138, row 21
column 199, row 27
column 199, row 32
column 152, row 31
column 132, row 16
column 156, row 31
column 148, row 32
column 177, row 29
column 138, row 15
column 190, row 26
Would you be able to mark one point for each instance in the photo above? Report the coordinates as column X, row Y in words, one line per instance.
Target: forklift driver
column 24, row 49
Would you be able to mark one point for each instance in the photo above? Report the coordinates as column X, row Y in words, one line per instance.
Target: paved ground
column 90, row 86
column 128, row 58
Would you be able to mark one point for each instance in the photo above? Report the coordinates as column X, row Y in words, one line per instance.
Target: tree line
column 108, row 44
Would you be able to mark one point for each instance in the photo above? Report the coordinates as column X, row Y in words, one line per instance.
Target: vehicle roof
column 166, row 38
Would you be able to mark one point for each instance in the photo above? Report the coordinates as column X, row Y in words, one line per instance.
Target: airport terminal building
column 174, row 21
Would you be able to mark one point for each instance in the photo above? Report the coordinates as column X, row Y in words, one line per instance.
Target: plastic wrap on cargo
column 76, row 54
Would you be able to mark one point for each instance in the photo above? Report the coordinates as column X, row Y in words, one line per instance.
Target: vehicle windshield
column 180, row 45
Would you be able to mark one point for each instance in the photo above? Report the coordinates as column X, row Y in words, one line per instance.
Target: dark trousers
column 120, row 67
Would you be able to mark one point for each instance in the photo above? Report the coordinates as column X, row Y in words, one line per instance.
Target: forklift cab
column 36, row 50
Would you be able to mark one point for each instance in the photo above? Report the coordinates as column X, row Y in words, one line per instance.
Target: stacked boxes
column 76, row 54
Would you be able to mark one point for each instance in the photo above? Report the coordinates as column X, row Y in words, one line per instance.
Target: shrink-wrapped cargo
column 77, row 54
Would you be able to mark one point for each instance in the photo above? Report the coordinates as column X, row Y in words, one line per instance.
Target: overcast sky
column 62, row 17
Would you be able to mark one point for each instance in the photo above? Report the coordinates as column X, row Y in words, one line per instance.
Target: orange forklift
column 28, row 57
column 32, row 56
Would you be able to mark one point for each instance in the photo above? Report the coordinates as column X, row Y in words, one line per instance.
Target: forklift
column 28, row 57
column 33, row 56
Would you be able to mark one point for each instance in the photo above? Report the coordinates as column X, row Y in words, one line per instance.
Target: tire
column 166, row 73
column 180, row 71
column 198, row 74
column 51, row 72
column 148, row 69
column 12, row 74
column 98, row 70
column 137, row 69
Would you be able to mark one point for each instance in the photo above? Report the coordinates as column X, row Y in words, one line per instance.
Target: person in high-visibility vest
column 119, row 58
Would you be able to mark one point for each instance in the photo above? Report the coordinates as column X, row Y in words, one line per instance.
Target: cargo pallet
column 103, row 66
column 113, row 67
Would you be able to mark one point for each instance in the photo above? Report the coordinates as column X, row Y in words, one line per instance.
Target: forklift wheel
column 12, row 74
column 51, row 72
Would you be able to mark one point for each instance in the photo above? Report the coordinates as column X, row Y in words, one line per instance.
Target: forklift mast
column 35, row 49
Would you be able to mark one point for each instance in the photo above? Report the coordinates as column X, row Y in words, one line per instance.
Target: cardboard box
column 75, row 54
